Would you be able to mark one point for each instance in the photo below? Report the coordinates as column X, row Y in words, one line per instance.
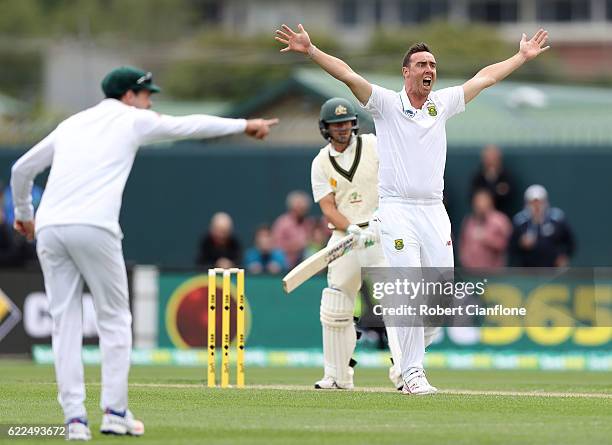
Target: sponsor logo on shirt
column 355, row 198
column 409, row 113
column 431, row 109
column 333, row 182
column 399, row 244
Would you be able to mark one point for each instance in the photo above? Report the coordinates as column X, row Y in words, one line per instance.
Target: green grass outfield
column 475, row 407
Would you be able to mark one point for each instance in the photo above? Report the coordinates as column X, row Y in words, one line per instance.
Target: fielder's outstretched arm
column 300, row 42
column 151, row 127
column 490, row 75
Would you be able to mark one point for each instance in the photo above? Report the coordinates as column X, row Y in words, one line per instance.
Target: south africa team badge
column 399, row 244
column 431, row 108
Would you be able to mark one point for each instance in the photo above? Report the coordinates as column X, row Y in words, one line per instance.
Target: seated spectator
column 264, row 257
column 484, row 234
column 219, row 247
column 495, row 178
column 291, row 230
column 8, row 201
column 318, row 238
column 15, row 251
column 542, row 236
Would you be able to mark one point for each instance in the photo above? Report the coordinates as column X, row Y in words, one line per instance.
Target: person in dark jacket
column 218, row 246
column 542, row 237
column 494, row 177
column 14, row 251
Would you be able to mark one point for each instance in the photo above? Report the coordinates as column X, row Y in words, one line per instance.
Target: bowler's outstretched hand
column 533, row 47
column 296, row 41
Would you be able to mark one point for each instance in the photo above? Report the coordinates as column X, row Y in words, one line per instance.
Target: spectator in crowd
column 291, row 230
column 14, row 251
column 542, row 236
column 484, row 234
column 263, row 257
column 318, row 237
column 219, row 247
column 8, row 201
column 494, row 177
column 8, row 246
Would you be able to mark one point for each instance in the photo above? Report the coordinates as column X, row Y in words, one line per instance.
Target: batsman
column 344, row 179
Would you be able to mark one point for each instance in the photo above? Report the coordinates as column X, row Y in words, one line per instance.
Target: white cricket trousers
column 415, row 233
column 71, row 255
column 344, row 275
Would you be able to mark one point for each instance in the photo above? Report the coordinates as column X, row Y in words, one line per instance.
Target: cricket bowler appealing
column 411, row 128
column 344, row 177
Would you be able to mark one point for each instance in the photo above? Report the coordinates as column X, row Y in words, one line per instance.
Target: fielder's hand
column 298, row 42
column 259, row 128
column 26, row 228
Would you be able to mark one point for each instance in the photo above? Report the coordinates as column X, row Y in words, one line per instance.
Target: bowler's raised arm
column 300, row 42
column 490, row 75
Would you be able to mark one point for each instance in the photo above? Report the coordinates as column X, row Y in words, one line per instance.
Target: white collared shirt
column 91, row 155
column 412, row 142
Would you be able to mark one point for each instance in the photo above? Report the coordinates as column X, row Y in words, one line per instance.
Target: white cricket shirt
column 91, row 155
column 412, row 142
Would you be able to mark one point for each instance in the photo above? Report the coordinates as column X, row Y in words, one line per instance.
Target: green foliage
column 193, row 79
column 460, row 50
column 213, row 65
column 21, row 18
column 139, row 20
column 23, row 77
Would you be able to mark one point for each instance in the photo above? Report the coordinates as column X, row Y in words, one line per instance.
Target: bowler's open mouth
column 427, row 81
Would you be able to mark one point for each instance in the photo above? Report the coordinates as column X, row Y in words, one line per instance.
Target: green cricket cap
column 125, row 78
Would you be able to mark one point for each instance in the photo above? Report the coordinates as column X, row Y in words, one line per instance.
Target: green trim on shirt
column 348, row 175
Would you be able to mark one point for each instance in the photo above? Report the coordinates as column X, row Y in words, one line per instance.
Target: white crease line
column 372, row 389
column 391, row 390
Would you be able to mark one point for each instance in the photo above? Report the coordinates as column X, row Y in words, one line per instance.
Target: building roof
column 511, row 113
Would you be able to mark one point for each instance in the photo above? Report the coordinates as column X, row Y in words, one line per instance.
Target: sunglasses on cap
column 146, row 78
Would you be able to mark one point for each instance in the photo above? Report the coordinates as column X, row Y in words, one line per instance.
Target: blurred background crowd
column 494, row 234
column 551, row 119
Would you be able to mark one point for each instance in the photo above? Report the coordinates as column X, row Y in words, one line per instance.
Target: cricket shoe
column 396, row 378
column 330, row 383
column 121, row 423
column 417, row 384
column 77, row 429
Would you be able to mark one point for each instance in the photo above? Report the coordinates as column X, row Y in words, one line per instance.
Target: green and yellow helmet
column 336, row 110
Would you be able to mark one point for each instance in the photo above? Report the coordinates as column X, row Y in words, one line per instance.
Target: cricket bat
column 318, row 262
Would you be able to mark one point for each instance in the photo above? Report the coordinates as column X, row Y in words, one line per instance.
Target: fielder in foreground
column 79, row 238
column 344, row 176
column 410, row 125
